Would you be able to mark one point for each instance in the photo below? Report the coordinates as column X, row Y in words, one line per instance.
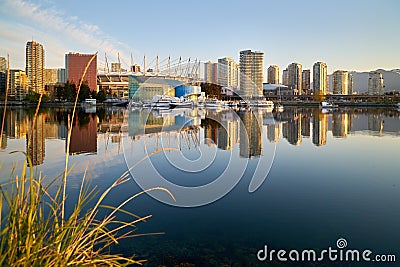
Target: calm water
column 300, row 179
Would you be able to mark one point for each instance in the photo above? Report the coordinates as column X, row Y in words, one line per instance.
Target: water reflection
column 250, row 134
column 224, row 129
column 320, row 128
column 306, row 201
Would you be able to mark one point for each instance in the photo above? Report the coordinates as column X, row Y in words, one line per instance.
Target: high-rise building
column 35, row 66
column 61, row 76
column 273, row 74
column 350, row 84
column 320, row 78
column 306, row 80
column 227, row 72
column 285, row 77
column 251, row 72
column 295, row 77
column 375, row 83
column 211, row 72
column 3, row 75
column 17, row 84
column 3, row 64
column 50, row 76
column 340, row 82
column 75, row 65
column 3, row 79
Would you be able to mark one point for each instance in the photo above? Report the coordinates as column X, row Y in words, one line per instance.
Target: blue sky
column 351, row 35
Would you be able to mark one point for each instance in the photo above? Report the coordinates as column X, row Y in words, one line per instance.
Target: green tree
column 101, row 95
column 32, row 97
column 84, row 92
column 69, row 92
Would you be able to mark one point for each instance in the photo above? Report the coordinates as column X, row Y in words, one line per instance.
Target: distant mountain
column 391, row 79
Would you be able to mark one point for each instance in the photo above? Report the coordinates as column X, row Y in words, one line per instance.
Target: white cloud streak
column 58, row 33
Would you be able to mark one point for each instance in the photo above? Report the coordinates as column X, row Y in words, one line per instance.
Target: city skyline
column 349, row 39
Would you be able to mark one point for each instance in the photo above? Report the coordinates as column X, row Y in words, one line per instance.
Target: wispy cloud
column 58, row 32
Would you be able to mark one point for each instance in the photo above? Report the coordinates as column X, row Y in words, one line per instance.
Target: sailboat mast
column 157, row 65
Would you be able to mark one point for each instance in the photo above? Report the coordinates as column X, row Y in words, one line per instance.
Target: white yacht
column 181, row 103
column 264, row 104
column 325, row 104
column 214, row 103
column 161, row 101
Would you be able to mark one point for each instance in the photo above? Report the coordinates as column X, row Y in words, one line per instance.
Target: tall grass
column 35, row 231
column 33, row 234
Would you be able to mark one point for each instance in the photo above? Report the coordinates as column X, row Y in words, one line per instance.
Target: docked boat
column 89, row 102
column 214, row 103
column 264, row 104
column 327, row 105
column 161, row 101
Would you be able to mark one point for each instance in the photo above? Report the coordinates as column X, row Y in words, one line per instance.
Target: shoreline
column 284, row 103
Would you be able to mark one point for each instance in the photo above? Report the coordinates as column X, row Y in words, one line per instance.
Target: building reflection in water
column 250, row 134
column 84, row 134
column 35, row 146
column 376, row 123
column 180, row 128
column 15, row 126
column 228, row 136
column 340, row 124
column 221, row 129
column 305, row 123
column 224, row 129
column 273, row 132
column 211, row 127
column 291, row 130
column 320, row 127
